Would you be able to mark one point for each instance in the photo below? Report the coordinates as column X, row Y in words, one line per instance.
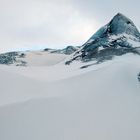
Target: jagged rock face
column 121, row 24
column 11, row 58
column 118, row 25
column 119, row 32
column 139, row 77
column 69, row 50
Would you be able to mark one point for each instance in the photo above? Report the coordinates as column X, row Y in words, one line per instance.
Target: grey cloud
column 57, row 23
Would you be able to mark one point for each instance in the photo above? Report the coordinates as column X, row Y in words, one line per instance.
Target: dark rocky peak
column 121, row 24
column 119, row 35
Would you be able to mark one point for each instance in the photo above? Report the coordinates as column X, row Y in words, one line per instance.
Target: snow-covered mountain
column 48, row 100
column 34, row 58
column 31, row 58
column 67, row 50
column 118, row 37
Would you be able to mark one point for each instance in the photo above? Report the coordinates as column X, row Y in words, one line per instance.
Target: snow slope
column 40, row 58
column 36, row 58
column 61, row 102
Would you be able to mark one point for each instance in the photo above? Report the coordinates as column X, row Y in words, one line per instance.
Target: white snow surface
column 41, row 58
column 130, row 39
column 64, row 102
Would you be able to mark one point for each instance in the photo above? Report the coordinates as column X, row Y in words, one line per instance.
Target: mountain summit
column 119, row 36
column 121, row 24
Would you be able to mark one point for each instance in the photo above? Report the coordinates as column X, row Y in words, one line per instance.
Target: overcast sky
column 33, row 24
